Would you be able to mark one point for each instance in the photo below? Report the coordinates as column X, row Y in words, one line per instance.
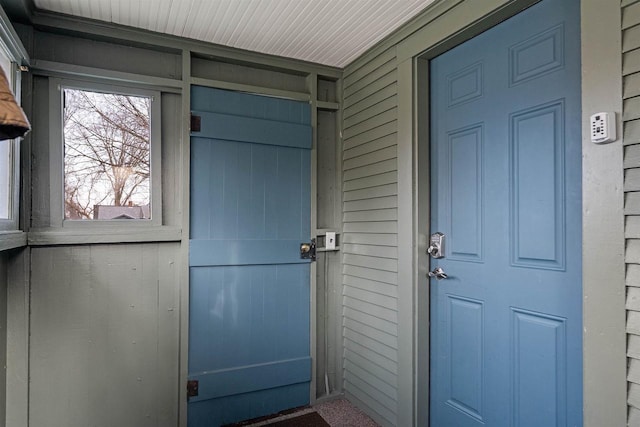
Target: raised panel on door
column 249, row 344
column 506, row 338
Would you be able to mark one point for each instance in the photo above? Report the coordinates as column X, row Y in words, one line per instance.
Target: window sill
column 12, row 240
column 104, row 235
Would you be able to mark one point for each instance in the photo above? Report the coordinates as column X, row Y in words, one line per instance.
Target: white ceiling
column 330, row 32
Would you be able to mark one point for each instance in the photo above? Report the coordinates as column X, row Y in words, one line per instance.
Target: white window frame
column 56, row 153
column 12, row 224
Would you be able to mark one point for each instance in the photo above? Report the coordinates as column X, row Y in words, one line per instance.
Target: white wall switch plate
column 603, row 127
column 330, row 240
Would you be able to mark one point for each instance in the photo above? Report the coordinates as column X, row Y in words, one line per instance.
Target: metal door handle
column 438, row 273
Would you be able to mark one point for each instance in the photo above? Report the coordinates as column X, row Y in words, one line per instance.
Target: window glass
column 107, row 156
column 8, row 212
column 6, row 174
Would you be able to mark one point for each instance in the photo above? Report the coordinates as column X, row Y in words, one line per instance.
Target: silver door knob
column 438, row 273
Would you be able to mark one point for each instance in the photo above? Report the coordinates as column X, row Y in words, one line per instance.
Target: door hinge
column 192, row 388
column 195, row 123
column 308, row 250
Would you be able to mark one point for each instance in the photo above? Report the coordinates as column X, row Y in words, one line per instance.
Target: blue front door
column 249, row 289
column 506, row 338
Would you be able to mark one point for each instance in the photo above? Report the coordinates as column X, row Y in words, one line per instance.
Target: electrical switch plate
column 330, row 240
column 603, row 127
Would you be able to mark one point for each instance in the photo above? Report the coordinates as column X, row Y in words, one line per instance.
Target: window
column 107, row 155
column 9, row 158
column 110, row 150
column 6, row 169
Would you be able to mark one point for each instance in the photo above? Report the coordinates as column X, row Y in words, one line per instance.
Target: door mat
column 308, row 419
column 312, row 419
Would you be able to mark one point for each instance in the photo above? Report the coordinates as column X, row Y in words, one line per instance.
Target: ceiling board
column 329, row 32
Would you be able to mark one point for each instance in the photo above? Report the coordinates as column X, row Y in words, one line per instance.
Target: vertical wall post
column 312, row 88
column 406, row 246
column 184, row 245
column 604, row 346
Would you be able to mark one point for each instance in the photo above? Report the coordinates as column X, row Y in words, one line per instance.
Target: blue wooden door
column 506, row 339
column 249, row 289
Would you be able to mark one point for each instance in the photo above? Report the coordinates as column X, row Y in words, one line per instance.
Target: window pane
column 107, row 155
column 5, row 179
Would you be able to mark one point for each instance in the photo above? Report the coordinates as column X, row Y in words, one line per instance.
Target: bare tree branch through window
column 106, row 155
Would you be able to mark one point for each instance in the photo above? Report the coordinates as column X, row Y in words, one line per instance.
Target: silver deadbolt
column 438, row 273
column 436, row 248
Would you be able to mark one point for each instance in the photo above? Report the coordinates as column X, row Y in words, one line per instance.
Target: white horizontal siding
column 370, row 239
column 631, row 136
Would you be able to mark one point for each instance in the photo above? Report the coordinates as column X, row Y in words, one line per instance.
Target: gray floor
column 341, row 413
column 337, row 412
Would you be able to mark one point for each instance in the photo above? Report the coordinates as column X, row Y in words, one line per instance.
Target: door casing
column 604, row 339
